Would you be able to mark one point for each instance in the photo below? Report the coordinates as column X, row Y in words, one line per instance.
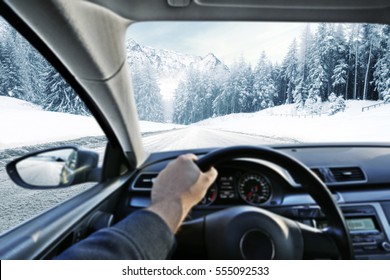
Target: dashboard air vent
column 347, row 174
column 144, row 181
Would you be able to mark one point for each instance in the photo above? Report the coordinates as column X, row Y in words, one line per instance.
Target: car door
column 40, row 110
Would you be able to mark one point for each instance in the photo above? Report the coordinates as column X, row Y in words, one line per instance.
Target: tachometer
column 254, row 188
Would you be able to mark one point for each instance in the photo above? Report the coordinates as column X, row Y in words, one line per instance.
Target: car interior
column 316, row 200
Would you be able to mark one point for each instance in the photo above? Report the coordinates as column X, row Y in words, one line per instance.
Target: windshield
column 213, row 84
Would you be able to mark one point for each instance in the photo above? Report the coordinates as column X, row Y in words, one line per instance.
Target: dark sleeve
column 142, row 235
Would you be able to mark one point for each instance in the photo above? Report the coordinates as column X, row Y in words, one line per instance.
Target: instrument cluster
column 236, row 186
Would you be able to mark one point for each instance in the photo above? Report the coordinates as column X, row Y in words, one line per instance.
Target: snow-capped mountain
column 210, row 61
column 170, row 64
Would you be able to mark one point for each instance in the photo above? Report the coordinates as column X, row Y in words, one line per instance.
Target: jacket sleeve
column 142, row 235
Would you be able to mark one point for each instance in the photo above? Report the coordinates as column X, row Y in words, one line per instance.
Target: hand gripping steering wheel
column 248, row 232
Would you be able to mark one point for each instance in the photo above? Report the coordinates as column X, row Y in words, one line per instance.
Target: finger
column 210, row 175
column 189, row 157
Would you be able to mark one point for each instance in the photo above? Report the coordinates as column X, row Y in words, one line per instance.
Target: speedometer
column 210, row 196
column 254, row 188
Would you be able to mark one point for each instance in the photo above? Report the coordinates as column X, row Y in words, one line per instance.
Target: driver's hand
column 179, row 187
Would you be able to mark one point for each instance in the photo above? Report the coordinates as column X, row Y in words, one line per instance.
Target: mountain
column 170, row 64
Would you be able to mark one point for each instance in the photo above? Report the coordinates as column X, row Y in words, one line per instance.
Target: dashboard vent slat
column 144, row 181
column 337, row 175
column 347, row 174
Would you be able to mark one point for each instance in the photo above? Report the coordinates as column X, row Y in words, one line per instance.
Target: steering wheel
column 248, row 232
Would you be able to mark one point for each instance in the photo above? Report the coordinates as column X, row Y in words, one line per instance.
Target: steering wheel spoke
column 190, row 238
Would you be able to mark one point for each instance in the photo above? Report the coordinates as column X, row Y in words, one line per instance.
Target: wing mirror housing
column 54, row 168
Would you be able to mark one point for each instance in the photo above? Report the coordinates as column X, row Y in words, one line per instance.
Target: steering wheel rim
column 337, row 228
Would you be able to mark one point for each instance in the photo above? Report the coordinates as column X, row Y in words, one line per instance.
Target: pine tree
column 243, row 87
column 26, row 75
column 264, row 90
column 59, row 96
column 327, row 53
column 180, row 110
column 340, row 76
column 236, row 95
column 300, row 92
column 382, row 67
column 147, row 93
column 337, row 104
column 300, row 95
column 369, row 53
column 11, row 80
column 290, row 70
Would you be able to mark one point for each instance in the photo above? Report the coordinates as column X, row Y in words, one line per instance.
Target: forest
column 335, row 62
column 26, row 75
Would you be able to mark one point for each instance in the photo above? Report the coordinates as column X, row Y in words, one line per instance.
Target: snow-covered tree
column 147, row 93
column 382, row 66
column 11, row 80
column 337, row 104
column 236, row 95
column 305, row 51
column 368, row 56
column 26, row 75
column 313, row 103
column 264, row 90
column 290, row 70
column 196, row 97
column 59, row 96
column 300, row 94
column 180, row 107
column 242, row 83
column 340, row 76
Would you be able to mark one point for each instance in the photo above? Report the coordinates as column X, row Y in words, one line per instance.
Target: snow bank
column 351, row 125
column 23, row 123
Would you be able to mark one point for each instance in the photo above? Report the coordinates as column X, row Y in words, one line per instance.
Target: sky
column 227, row 40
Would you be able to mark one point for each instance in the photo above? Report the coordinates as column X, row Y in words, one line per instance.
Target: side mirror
column 54, row 168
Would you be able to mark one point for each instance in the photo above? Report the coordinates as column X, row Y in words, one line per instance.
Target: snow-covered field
column 285, row 122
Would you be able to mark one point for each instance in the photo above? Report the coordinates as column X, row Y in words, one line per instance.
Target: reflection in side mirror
column 48, row 169
column 54, row 168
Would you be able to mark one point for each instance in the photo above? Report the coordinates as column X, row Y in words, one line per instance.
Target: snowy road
column 200, row 137
column 41, row 172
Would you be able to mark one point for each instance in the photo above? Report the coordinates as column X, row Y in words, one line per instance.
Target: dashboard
column 357, row 175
